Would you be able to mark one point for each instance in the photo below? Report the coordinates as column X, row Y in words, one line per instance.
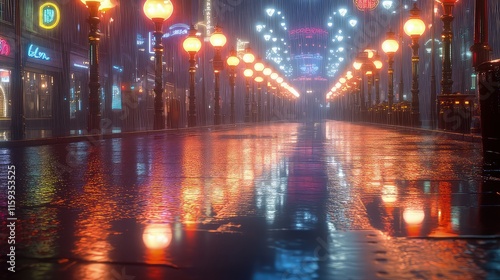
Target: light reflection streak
column 92, row 227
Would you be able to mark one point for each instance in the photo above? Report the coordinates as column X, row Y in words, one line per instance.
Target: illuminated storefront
column 40, row 83
column 6, row 67
column 38, row 92
column 4, row 93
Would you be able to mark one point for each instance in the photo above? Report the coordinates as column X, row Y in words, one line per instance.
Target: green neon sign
column 49, row 15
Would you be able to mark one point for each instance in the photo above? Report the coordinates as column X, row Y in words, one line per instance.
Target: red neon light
column 366, row 4
column 308, row 30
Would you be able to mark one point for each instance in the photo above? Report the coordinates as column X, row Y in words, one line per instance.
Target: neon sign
column 178, row 29
column 4, row 47
column 49, row 15
column 363, row 5
column 34, row 52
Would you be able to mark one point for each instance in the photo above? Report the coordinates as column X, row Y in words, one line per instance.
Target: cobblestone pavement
column 327, row 200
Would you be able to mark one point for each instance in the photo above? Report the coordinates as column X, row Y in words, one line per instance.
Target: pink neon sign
column 4, row 47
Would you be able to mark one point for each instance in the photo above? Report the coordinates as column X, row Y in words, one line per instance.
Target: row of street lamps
column 192, row 44
column 366, row 62
column 158, row 11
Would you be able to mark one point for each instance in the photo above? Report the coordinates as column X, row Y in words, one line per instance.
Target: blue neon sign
column 34, row 52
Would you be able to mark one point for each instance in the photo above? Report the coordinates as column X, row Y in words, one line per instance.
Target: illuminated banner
column 363, row 5
column 179, row 29
column 49, row 15
column 4, row 47
column 176, row 30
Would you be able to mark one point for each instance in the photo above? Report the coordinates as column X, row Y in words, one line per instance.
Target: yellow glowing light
column 259, row 66
column 248, row 58
column 192, row 43
column 414, row 26
column 267, row 71
column 248, row 73
column 233, row 60
column 158, row 9
column 218, row 39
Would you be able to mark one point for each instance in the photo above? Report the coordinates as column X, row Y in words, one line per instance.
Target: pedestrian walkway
column 330, row 200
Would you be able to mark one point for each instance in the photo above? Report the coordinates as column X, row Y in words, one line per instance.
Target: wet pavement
column 328, row 200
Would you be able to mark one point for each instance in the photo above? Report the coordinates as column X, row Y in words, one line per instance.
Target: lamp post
column 267, row 73
column 369, row 75
column 414, row 27
column 275, row 88
column 281, row 97
column 378, row 65
column 232, row 61
column 434, row 102
column 158, row 11
column 218, row 40
column 192, row 45
column 257, row 113
column 259, row 67
column 248, row 58
column 357, row 66
column 390, row 46
column 481, row 48
column 447, row 35
column 94, row 117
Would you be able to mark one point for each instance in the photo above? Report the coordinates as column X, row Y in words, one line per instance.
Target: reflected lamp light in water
column 157, row 236
column 413, row 216
column 389, row 193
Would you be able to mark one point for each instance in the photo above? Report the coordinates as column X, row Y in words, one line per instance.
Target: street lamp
column 414, row 27
column 378, row 65
column 447, row 35
column 232, row 61
column 390, row 46
column 192, row 45
column 248, row 58
column 94, row 117
column 259, row 67
column 158, row 11
column 267, row 73
column 218, row 40
column 360, row 64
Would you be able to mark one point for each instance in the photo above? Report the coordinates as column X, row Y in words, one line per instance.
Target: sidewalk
column 44, row 137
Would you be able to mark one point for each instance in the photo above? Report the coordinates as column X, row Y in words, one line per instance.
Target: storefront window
column 117, row 98
column 5, row 93
column 7, row 10
column 75, row 96
column 38, row 95
column 103, row 100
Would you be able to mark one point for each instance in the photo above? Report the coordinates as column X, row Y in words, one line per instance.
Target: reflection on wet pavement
column 280, row 201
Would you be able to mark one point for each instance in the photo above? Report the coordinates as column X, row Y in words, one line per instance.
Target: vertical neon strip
column 208, row 17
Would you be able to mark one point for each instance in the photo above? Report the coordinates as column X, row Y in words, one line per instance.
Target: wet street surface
column 328, row 200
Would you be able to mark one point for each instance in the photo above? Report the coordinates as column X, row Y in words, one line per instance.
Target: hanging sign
column 364, row 5
column 49, row 15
